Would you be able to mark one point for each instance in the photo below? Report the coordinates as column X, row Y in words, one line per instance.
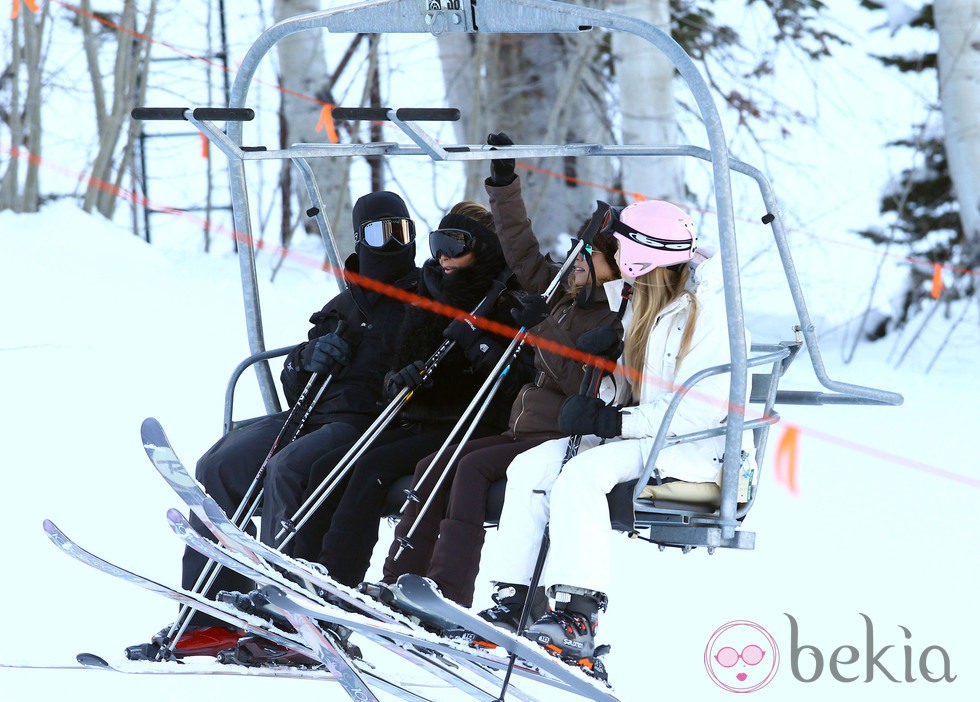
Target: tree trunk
column 646, row 102
column 24, row 117
column 540, row 89
column 958, row 26
column 127, row 88
column 303, row 67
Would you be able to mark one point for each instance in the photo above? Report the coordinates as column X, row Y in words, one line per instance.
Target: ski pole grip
column 158, row 113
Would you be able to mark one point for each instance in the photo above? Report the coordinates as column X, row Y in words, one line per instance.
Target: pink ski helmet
column 653, row 234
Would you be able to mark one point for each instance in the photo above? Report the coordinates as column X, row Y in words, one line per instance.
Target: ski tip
column 49, row 527
column 91, row 660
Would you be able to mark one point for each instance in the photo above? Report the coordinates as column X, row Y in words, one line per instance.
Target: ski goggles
column 379, row 232
column 728, row 656
column 452, row 243
column 651, row 242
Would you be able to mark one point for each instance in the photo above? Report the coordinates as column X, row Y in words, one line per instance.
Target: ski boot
column 388, row 595
column 568, row 632
column 195, row 641
column 254, row 651
column 255, row 602
column 509, row 602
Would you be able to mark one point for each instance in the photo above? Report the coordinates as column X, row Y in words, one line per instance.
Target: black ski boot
column 568, row 632
column 510, row 599
column 255, row 602
column 254, row 651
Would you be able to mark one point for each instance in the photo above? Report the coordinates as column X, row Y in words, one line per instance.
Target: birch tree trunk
column 645, row 80
column 23, row 117
column 128, row 87
column 958, row 26
column 540, row 89
column 305, row 78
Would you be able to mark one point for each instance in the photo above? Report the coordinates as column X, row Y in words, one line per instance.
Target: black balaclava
column 467, row 286
column 393, row 260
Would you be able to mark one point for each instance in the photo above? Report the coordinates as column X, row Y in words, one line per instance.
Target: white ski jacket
column 706, row 405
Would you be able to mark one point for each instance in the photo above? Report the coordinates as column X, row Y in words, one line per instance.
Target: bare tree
column 128, row 88
column 21, row 111
column 645, row 85
column 540, row 89
column 303, row 73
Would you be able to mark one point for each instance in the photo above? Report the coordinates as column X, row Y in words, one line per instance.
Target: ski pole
column 319, row 496
column 332, row 480
column 479, row 403
column 249, row 505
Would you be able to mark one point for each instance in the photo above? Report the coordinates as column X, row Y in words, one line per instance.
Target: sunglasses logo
column 741, row 656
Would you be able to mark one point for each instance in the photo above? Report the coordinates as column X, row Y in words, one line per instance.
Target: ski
column 164, row 459
column 348, row 677
column 422, row 594
column 92, row 661
column 416, row 647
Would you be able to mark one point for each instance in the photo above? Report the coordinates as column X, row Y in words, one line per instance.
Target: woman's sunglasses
column 728, row 656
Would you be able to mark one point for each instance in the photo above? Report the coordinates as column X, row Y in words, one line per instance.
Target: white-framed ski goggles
column 651, row 241
column 379, row 232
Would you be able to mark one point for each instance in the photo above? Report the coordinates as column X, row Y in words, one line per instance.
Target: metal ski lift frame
column 437, row 17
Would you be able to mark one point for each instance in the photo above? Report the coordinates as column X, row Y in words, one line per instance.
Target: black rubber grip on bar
column 768, row 218
column 228, row 114
column 428, row 114
column 147, row 113
column 413, row 114
column 356, row 113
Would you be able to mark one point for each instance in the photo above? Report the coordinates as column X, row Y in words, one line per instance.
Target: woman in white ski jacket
column 677, row 325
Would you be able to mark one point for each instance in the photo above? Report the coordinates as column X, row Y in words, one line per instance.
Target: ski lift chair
column 670, row 522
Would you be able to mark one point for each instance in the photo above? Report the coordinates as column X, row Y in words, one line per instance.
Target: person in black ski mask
column 352, row 341
column 467, row 269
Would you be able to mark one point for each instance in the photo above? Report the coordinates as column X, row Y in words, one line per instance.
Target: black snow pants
column 228, row 468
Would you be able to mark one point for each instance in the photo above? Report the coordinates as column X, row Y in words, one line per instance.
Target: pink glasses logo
column 741, row 656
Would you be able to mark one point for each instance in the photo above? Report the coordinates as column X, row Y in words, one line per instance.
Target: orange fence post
column 786, row 462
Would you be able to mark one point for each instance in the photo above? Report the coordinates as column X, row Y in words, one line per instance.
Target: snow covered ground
column 100, row 330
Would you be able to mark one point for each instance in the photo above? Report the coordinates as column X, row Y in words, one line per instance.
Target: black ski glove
column 502, row 170
column 601, row 341
column 321, row 355
column 408, row 377
column 478, row 346
column 589, row 415
column 530, row 310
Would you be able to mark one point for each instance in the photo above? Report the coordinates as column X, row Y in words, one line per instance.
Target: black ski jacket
column 355, row 392
column 457, row 378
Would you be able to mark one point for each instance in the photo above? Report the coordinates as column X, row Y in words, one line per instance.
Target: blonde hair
column 652, row 292
column 476, row 212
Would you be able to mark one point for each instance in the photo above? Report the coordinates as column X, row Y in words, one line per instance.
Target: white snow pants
column 574, row 502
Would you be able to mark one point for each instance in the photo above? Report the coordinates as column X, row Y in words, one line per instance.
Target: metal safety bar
column 524, row 16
